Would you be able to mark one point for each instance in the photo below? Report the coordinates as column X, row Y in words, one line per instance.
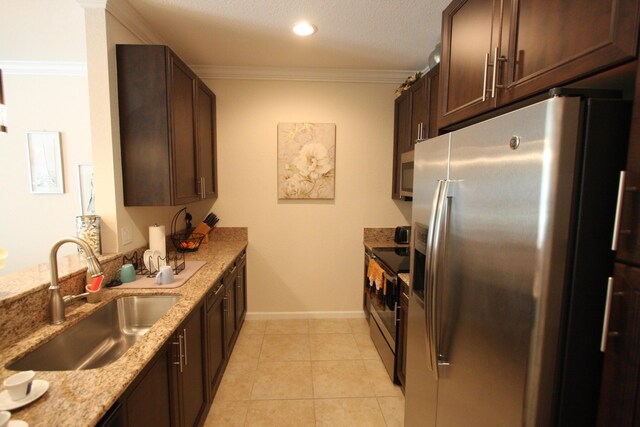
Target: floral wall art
column 306, row 160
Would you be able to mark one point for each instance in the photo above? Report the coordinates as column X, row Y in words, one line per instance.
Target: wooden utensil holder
column 203, row 228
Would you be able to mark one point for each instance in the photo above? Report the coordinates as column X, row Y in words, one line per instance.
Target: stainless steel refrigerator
column 511, row 252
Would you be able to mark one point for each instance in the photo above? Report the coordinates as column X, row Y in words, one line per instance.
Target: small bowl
column 19, row 385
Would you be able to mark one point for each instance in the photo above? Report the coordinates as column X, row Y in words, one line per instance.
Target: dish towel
column 375, row 273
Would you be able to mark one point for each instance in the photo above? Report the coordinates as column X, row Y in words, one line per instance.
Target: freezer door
column 430, row 165
column 509, row 205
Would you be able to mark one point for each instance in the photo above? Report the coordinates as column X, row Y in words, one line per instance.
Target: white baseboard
column 270, row 315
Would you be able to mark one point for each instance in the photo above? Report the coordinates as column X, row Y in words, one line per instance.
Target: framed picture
column 306, row 160
column 45, row 163
column 87, row 195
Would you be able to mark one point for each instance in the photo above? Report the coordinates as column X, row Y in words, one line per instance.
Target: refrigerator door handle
column 440, row 226
column 428, row 286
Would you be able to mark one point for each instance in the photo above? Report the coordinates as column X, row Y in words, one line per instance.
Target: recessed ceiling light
column 304, row 29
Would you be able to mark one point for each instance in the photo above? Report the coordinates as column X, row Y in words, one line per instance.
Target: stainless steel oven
column 384, row 305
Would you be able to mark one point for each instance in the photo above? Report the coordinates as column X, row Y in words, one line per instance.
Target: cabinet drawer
column 215, row 293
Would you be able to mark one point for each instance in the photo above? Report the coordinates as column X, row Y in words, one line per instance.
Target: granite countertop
column 370, row 245
column 404, row 277
column 81, row 398
column 380, row 238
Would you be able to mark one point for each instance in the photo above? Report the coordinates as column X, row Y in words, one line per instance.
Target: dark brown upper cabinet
column 496, row 52
column 415, row 119
column 167, row 129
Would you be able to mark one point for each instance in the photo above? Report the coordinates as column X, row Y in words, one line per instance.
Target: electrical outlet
column 126, row 235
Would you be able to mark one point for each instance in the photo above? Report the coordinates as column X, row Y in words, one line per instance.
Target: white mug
column 19, row 385
column 165, row 276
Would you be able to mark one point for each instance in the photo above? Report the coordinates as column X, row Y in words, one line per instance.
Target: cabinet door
column 619, row 391
column 194, row 400
column 553, row 42
column 184, row 150
column 401, row 351
column 629, row 234
column 241, row 293
column 401, row 137
column 419, row 110
column 149, row 403
column 206, row 136
column 216, row 341
column 230, row 312
column 433, row 86
column 470, row 31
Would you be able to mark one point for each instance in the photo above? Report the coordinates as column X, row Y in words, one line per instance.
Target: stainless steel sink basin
column 101, row 338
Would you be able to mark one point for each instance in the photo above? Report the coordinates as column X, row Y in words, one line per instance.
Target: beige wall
column 31, row 223
column 305, row 256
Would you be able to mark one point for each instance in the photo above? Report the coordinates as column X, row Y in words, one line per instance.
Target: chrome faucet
column 57, row 304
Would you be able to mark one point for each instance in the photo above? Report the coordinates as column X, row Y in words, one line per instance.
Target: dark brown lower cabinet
column 216, row 342
column 230, row 330
column 620, row 390
column 401, row 341
column 149, row 402
column 191, row 367
column 241, row 291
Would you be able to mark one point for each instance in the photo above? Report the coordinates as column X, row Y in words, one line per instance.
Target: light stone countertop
column 81, row 398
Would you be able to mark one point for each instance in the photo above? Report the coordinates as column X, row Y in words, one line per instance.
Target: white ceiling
column 352, row 34
column 362, row 39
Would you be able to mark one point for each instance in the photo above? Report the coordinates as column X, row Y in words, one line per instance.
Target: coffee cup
column 19, row 385
column 165, row 275
column 5, row 416
column 127, row 273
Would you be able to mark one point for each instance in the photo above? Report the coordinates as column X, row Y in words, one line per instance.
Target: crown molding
column 44, row 68
column 124, row 13
column 70, row 68
column 93, row 4
column 343, row 75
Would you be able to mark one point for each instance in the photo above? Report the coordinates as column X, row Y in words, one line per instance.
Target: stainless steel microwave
column 406, row 175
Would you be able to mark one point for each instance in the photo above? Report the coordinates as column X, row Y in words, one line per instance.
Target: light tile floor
column 299, row 373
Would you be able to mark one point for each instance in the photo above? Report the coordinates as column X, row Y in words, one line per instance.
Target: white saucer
column 38, row 388
column 18, row 423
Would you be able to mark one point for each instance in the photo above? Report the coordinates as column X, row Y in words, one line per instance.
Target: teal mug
column 127, row 273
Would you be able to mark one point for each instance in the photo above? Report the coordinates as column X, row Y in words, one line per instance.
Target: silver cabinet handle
column 220, row 287
column 616, row 223
column 202, row 187
column 186, row 351
column 484, row 80
column 607, row 314
column 179, row 343
column 497, row 59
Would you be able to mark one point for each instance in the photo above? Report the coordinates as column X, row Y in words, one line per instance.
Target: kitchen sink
column 101, row 338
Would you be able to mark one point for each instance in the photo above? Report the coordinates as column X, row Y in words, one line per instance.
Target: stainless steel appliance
column 384, row 305
column 402, row 234
column 406, row 175
column 512, row 221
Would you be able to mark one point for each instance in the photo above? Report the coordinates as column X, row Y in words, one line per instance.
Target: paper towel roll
column 157, row 240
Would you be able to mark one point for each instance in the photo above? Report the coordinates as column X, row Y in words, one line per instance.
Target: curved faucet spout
column 56, row 302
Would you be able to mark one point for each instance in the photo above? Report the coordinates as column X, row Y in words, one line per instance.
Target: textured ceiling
column 352, row 34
